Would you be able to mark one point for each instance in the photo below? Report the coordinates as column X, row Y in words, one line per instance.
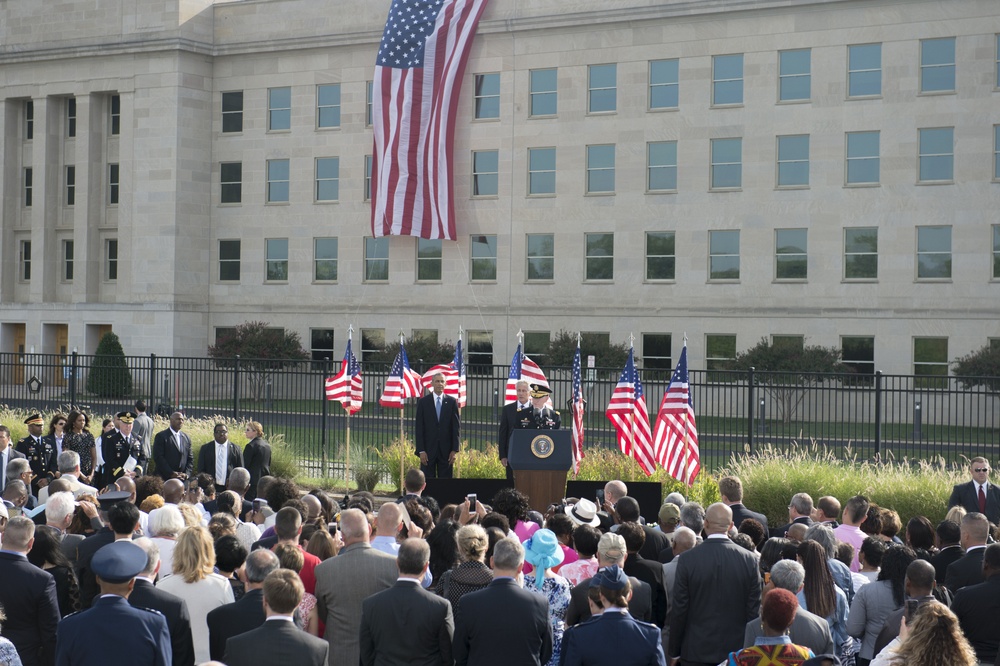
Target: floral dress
column 81, row 443
column 556, row 589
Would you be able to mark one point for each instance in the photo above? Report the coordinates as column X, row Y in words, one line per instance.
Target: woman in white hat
column 543, row 552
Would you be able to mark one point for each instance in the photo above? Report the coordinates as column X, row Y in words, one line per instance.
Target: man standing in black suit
column 514, row 416
column 799, row 512
column 173, row 608
column 715, row 594
column 437, row 426
column 503, row 624
column 648, row 571
column 948, row 536
column 978, row 607
column 28, row 596
column 405, row 624
column 246, row 614
column 219, row 457
column 978, row 495
column 172, row 457
column 969, row 569
column 731, row 490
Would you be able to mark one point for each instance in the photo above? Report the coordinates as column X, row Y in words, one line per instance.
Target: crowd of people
column 206, row 558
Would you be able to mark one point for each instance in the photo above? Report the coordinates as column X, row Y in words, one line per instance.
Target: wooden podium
column 540, row 460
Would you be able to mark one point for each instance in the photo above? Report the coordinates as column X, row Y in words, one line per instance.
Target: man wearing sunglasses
column 978, row 495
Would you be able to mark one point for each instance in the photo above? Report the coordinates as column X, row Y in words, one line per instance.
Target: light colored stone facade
column 169, row 64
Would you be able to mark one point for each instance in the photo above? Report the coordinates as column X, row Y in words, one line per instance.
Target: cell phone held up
column 600, row 499
column 472, row 498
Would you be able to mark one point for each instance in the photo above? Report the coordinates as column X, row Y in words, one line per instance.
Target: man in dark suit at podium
column 514, row 416
column 437, row 426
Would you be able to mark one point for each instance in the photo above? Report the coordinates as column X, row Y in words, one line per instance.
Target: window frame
column 996, row 153
column 69, row 179
column 435, row 259
column 540, row 260
column 718, row 82
column 671, row 259
column 479, row 99
column 722, row 256
column 228, row 263
column 276, row 113
column 369, row 87
column 926, row 68
column 541, row 174
column 927, row 372
column 67, row 265
column 657, row 361
column 598, row 93
column 322, row 356
column 484, row 260
column 71, row 117
column 230, row 186
column 27, row 186
column 718, row 165
column 782, row 78
column 321, row 107
column 367, row 192
column 654, row 86
column 114, row 183
column 274, row 262
column 594, row 171
column 791, row 161
column 29, row 120
column 269, row 182
column 667, row 167
column 115, row 115
column 859, row 255
column 860, row 72
column 996, row 251
column 372, row 260
column 111, row 255
column 372, row 342
column 858, row 159
column 326, row 260
column 319, row 182
column 712, row 342
column 234, row 114
column 24, row 260
column 484, row 179
column 782, row 248
column 921, row 156
column 541, row 95
column 937, row 255
column 862, row 366
column 592, row 260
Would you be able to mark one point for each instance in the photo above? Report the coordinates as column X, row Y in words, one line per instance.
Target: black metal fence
column 898, row 416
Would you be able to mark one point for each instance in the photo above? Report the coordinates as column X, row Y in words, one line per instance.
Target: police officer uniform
column 41, row 453
column 116, row 450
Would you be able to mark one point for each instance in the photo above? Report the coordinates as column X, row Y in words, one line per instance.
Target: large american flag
column 675, row 437
column 346, row 386
column 578, row 409
column 522, row 367
column 418, row 76
column 402, row 382
column 627, row 411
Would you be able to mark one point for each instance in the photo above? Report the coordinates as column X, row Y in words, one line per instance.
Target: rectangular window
column 864, row 70
column 70, row 117
column 368, row 177
column 600, row 257
column 724, row 255
column 372, row 342
column 933, row 253
column 229, row 261
column 321, row 347
column 660, row 255
column 369, row 85
column 325, row 259
column 113, row 184
column 376, row 260
column 543, row 92
column 930, row 362
column 996, row 152
column 594, row 339
column 661, row 166
column 600, row 169
column 480, row 352
column 727, row 79
column 25, row 256
column 792, row 344
column 231, row 177
column 487, row 96
column 602, row 88
column 279, row 109
column 70, row 185
column 327, row 178
column 937, row 154
column 116, row 115
column 937, row 65
column 328, row 105
column 485, row 172
column 484, row 258
column 656, row 352
column 996, row 251
column 29, row 120
column 67, row 263
column 541, row 171
column 861, row 253
column 794, row 75
column 232, row 111
column 111, row 259
column 862, row 158
column 858, row 352
column 663, row 84
column 541, row 256
column 536, row 344
column 996, row 69
column 277, row 181
column 28, row 178
column 790, row 254
column 727, row 164
column 793, row 161
column 428, row 260
column 276, row 259
column 427, row 335
column 719, row 351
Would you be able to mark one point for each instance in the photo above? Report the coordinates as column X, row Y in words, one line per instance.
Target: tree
column 262, row 351
column 785, row 368
column 606, row 355
column 422, row 353
column 980, row 368
column 109, row 374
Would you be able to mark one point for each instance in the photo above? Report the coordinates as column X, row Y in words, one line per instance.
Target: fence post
column 751, row 408
column 236, row 388
column 152, row 381
column 323, row 435
column 73, row 369
column 878, row 413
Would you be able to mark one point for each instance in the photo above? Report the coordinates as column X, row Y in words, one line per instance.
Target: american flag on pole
column 402, row 382
column 418, row 76
column 346, row 386
column 627, row 411
column 459, row 364
column 522, row 367
column 578, row 409
column 675, row 437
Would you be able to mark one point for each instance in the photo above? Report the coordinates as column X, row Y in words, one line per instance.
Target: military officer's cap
column 108, row 500
column 125, row 417
column 119, row 562
column 539, row 391
column 34, row 419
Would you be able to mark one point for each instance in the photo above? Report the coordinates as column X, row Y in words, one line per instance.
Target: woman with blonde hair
column 472, row 574
column 931, row 637
column 195, row 581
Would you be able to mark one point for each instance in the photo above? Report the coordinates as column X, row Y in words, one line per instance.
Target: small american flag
column 402, row 382
column 346, row 386
column 675, row 438
column 522, row 367
column 418, row 75
column 627, row 411
column 578, row 409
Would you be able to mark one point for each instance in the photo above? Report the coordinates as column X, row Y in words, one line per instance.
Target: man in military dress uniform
column 117, row 447
column 41, row 454
column 545, row 418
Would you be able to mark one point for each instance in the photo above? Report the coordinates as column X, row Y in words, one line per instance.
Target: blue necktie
column 438, row 403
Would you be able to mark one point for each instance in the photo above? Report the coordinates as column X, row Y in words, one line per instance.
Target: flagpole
column 347, row 458
column 402, row 442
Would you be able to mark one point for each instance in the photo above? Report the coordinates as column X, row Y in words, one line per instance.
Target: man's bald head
column 173, row 491
column 718, row 518
column 313, row 507
column 919, row 578
column 390, row 516
column 354, row 526
column 615, row 490
column 126, row 484
column 684, row 540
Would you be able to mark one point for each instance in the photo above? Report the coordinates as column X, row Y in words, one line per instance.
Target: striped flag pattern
column 346, row 386
column 578, row 409
column 459, row 365
column 627, row 411
column 522, row 367
column 415, row 94
column 402, row 382
column 675, row 437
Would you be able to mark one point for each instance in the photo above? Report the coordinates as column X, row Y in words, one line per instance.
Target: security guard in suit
column 545, row 418
column 117, row 447
column 41, row 454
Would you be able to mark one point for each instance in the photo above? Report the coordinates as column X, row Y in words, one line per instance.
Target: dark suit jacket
column 13, row 454
column 780, row 531
column 640, row 606
column 257, row 460
column 942, row 559
column 502, row 625
column 965, row 571
column 716, row 592
column 651, row 573
column 741, row 513
column 84, row 554
column 206, row 459
column 406, row 625
column 212, row 506
column 654, row 544
column 234, row 619
column 511, row 418
column 28, row 596
column 276, row 643
column 613, row 638
column 114, row 633
column 437, row 437
column 168, row 459
column 174, row 611
column 977, row 608
column 965, row 495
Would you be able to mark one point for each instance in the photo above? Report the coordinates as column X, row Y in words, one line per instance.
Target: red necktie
column 982, row 500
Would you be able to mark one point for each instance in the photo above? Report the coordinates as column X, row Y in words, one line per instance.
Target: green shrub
column 109, row 376
column 367, row 477
column 604, row 464
column 391, row 454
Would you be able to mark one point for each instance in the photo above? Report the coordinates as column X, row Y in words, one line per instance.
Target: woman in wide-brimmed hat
column 543, row 552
